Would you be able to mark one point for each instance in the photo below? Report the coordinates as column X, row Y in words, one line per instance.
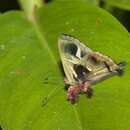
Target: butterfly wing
column 71, row 53
column 80, row 63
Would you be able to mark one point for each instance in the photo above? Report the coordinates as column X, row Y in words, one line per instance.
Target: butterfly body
column 83, row 67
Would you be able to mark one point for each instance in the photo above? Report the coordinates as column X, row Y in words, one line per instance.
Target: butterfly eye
column 71, row 49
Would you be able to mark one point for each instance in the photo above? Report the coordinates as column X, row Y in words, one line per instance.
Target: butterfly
column 84, row 67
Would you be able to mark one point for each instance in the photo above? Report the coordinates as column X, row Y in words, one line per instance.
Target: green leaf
column 90, row 2
column 122, row 4
column 101, row 32
column 30, row 6
column 29, row 74
column 94, row 2
column 31, row 84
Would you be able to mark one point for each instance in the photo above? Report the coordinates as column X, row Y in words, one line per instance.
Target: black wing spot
column 83, row 54
column 108, row 67
column 81, row 71
column 71, row 49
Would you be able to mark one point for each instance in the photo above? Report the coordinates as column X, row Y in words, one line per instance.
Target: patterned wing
column 80, row 63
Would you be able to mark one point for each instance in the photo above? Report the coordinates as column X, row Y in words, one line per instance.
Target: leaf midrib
column 45, row 45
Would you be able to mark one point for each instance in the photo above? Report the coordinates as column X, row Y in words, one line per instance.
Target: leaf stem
column 29, row 7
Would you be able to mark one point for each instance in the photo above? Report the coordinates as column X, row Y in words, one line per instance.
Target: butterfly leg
column 86, row 88
column 73, row 94
column 89, row 92
column 74, row 91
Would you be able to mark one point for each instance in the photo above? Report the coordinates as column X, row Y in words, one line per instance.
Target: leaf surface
column 31, row 82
